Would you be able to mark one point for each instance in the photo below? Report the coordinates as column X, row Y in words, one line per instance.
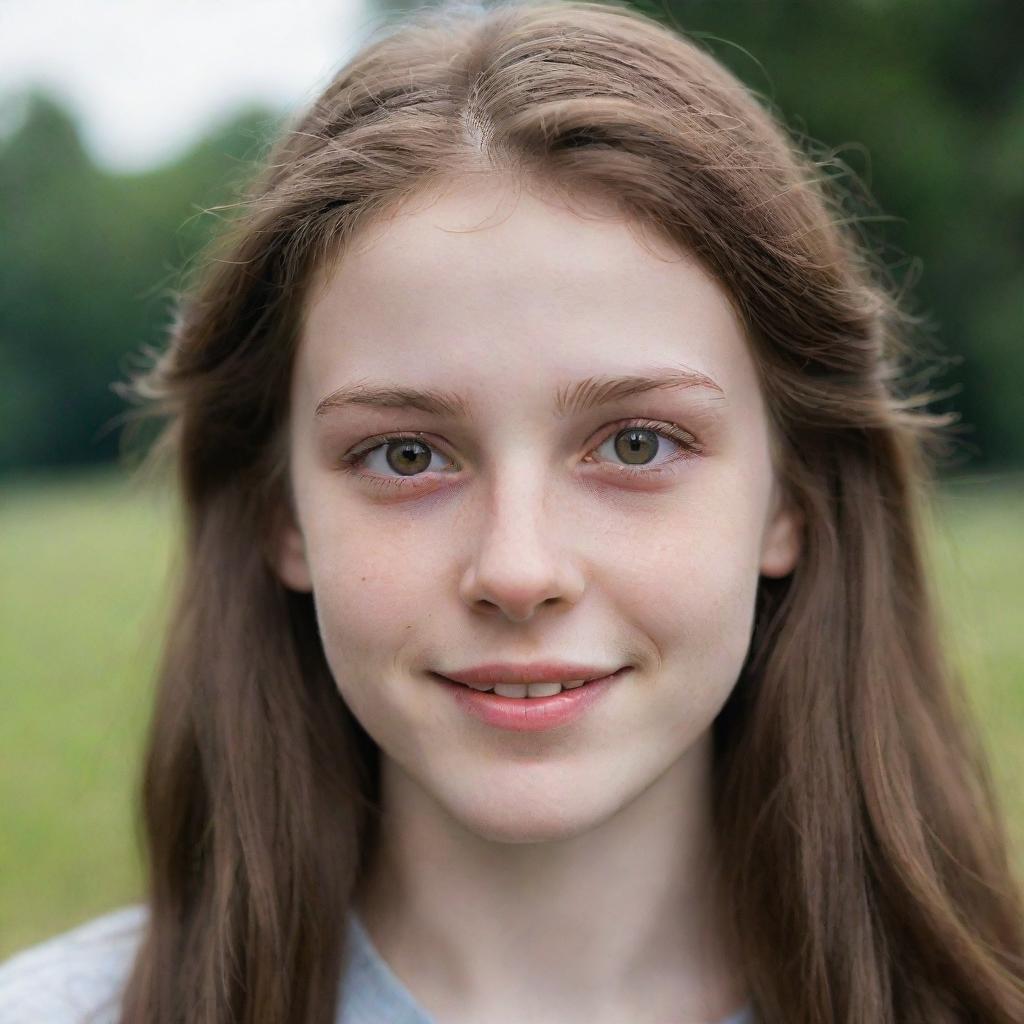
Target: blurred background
column 122, row 124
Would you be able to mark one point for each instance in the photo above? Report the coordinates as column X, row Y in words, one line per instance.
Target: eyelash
column 355, row 458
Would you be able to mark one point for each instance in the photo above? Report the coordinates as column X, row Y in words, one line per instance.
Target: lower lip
column 531, row 714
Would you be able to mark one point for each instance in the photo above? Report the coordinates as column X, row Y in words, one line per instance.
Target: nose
column 519, row 563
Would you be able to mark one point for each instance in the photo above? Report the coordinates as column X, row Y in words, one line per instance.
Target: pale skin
column 557, row 876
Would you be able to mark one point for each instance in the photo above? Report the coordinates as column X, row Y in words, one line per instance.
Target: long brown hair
column 861, row 843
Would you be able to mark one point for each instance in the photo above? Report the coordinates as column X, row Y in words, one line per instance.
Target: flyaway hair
column 861, row 845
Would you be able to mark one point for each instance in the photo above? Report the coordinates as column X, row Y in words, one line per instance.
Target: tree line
column 918, row 104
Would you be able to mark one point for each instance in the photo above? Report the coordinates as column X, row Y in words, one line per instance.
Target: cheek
column 372, row 591
column 366, row 616
column 695, row 605
column 691, row 583
column 698, row 596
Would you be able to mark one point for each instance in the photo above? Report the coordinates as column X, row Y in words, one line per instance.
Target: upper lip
column 497, row 672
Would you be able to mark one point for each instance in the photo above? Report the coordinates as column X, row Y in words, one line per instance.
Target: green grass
column 979, row 557
column 82, row 559
column 83, row 562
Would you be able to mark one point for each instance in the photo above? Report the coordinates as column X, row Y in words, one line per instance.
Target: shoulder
column 76, row 977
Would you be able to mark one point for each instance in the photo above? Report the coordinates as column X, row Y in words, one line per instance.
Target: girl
column 554, row 641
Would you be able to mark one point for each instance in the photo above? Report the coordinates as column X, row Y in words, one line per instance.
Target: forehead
column 486, row 282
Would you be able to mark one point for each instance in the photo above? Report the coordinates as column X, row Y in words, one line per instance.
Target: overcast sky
column 146, row 77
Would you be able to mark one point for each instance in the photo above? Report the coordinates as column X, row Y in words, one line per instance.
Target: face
column 524, row 523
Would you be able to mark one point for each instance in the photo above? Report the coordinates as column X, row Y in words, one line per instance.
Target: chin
column 518, row 817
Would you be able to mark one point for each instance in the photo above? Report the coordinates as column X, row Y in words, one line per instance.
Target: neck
column 621, row 922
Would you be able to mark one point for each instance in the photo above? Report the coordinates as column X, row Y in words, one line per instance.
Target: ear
column 783, row 537
column 287, row 552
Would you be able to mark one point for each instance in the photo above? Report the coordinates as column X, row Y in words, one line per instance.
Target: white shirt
column 79, row 976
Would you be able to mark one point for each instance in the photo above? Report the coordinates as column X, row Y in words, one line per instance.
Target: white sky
column 146, row 77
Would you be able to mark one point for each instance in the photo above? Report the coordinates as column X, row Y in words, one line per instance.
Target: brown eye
column 652, row 446
column 408, row 457
column 400, row 454
column 636, row 445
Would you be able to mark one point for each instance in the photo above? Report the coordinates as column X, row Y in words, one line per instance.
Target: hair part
column 860, row 843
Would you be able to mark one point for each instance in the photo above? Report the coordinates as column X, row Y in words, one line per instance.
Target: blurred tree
column 86, row 267
column 919, row 103
column 922, row 100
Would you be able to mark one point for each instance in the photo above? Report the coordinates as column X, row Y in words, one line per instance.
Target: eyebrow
column 576, row 398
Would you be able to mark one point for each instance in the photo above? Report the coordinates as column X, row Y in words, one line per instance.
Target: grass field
column 83, row 559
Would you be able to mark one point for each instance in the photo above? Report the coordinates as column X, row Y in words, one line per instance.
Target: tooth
column 510, row 689
column 534, row 689
column 543, row 689
column 573, row 683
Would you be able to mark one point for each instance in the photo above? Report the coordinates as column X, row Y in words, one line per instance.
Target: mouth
column 532, row 691
column 513, row 708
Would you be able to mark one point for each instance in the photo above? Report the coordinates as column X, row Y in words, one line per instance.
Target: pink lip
column 531, row 714
column 528, row 672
